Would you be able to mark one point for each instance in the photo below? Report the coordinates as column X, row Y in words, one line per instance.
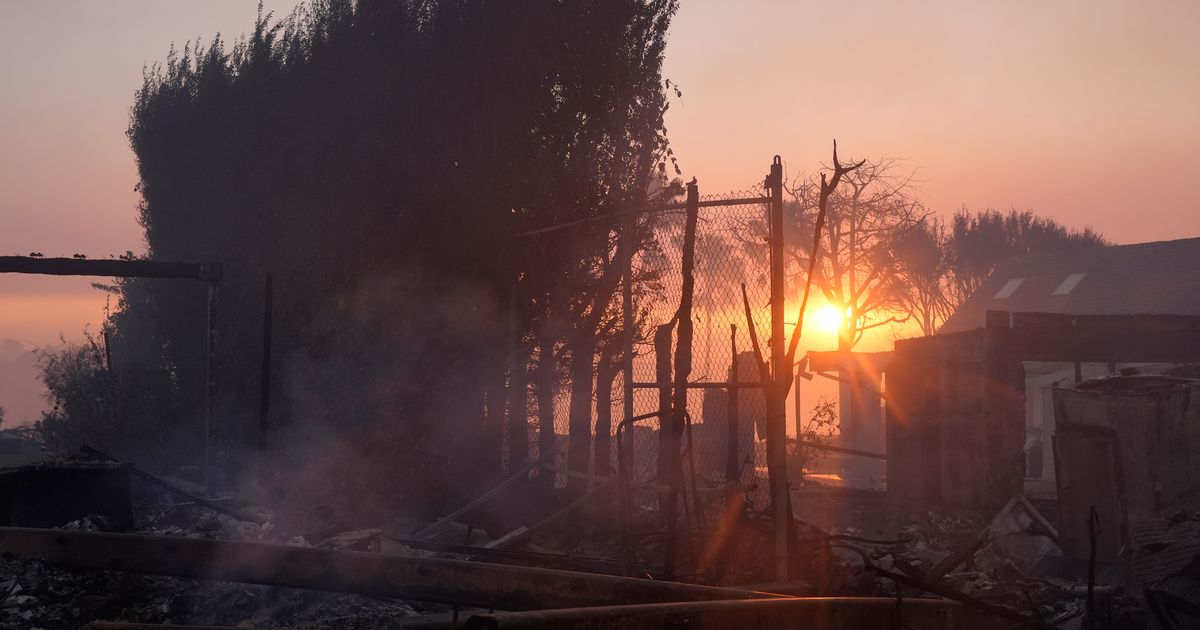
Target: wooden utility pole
column 778, row 385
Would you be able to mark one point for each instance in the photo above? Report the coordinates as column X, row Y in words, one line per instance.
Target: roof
column 1160, row 278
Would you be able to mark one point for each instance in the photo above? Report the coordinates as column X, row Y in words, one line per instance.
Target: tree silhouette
column 379, row 158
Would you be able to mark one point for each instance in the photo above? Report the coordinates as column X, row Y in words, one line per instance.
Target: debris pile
column 41, row 596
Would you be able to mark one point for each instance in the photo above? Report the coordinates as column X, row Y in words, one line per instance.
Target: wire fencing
column 725, row 406
column 721, row 449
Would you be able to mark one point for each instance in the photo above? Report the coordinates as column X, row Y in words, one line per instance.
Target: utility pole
column 781, row 372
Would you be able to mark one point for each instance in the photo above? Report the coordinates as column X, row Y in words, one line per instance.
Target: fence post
column 264, row 400
column 210, row 385
column 733, row 449
column 683, row 349
column 776, row 389
column 627, row 319
column 668, row 443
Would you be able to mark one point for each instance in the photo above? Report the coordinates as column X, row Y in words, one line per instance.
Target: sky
column 1086, row 111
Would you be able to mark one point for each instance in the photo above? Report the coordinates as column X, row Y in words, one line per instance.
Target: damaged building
column 1065, row 378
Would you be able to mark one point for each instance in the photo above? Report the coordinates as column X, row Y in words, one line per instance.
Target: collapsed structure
column 700, row 497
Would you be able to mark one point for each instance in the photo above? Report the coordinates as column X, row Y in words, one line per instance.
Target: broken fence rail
column 440, row 580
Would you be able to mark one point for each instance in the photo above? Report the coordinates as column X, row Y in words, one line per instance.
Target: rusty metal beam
column 442, row 580
column 798, row 612
column 210, row 272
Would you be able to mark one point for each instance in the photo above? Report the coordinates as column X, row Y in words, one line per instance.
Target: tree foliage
column 978, row 241
column 885, row 258
column 380, row 159
column 942, row 265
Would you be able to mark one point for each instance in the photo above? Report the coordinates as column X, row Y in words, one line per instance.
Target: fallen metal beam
column 210, row 272
column 802, row 612
column 441, row 580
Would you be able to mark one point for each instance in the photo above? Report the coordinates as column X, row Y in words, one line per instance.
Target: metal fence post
column 627, row 319
column 210, row 380
column 733, row 449
column 780, row 372
column 264, row 401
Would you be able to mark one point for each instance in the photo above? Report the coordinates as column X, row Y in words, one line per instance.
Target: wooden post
column 667, row 440
column 683, row 353
column 265, row 378
column 777, row 388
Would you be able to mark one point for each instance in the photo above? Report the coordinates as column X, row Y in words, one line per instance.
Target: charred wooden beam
column 210, row 272
column 440, row 580
column 792, row 612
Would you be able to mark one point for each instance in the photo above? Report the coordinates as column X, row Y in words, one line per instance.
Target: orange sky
column 1085, row 111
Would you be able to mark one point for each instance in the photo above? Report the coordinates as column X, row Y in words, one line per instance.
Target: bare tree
column 924, row 266
column 856, row 267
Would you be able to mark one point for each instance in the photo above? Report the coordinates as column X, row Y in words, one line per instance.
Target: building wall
column 1155, row 443
column 956, row 420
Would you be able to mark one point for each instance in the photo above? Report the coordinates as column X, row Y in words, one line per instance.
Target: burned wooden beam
column 440, row 580
column 791, row 612
column 210, row 272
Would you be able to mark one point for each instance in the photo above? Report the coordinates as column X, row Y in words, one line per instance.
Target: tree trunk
column 495, row 401
column 545, row 386
column 518, row 412
column 579, row 440
column 606, row 375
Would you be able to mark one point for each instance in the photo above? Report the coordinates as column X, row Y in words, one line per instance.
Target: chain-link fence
column 723, row 443
column 726, row 408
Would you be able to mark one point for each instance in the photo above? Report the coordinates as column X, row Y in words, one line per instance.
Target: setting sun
column 827, row 318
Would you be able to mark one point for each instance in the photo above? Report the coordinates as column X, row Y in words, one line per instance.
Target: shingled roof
column 1161, row 278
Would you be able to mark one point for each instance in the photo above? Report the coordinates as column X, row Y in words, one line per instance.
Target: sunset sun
column 827, row 318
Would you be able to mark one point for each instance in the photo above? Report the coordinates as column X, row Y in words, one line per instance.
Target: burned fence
column 681, row 417
column 208, row 273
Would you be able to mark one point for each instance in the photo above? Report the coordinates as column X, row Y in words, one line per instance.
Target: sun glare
column 827, row 318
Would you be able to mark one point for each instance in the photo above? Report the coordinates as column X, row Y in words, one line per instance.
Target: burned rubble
column 425, row 325
column 689, row 529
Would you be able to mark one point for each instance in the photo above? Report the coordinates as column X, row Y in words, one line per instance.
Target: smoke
column 383, row 401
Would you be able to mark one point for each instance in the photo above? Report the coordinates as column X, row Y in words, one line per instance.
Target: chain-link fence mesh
column 731, row 252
